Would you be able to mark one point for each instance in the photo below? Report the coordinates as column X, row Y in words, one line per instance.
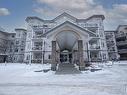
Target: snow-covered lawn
column 21, row 79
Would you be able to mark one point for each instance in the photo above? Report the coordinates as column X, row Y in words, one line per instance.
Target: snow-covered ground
column 21, row 79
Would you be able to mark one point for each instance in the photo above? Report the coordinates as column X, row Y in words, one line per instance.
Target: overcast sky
column 14, row 12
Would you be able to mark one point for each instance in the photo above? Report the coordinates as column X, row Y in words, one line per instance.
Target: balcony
column 121, row 43
column 37, row 48
column 112, row 50
column 122, row 51
column 94, row 48
column 37, row 37
column 36, row 60
column 120, row 35
column 3, row 54
column 96, row 59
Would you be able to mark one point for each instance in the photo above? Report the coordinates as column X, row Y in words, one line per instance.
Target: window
column 28, row 46
column 22, row 42
column 12, row 43
column 103, row 44
column 17, row 42
column 13, row 36
column 45, row 25
column 101, row 34
column 49, row 57
column 29, row 35
column 28, row 57
column 18, row 34
column 22, row 49
column 125, row 28
column 10, row 50
column 16, row 50
column 104, row 56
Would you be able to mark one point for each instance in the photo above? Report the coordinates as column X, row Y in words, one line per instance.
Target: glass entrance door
column 65, row 57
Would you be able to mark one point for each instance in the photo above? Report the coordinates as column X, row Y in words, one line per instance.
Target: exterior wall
column 111, row 45
column 20, row 42
column 121, row 41
column 3, row 45
column 11, row 47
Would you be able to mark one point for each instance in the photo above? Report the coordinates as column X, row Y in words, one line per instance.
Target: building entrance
column 65, row 57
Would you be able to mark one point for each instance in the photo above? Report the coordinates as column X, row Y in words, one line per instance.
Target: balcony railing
column 95, row 59
column 110, row 43
column 122, row 42
column 36, row 60
column 37, row 36
column 94, row 47
column 3, row 53
column 120, row 35
column 37, row 48
column 122, row 51
column 111, row 50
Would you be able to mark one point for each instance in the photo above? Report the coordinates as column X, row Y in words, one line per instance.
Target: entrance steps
column 67, row 68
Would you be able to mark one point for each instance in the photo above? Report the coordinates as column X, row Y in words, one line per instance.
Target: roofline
column 65, row 14
column 35, row 17
column 68, row 23
column 101, row 16
column 120, row 26
column 12, row 33
column 110, row 31
column 4, row 32
column 20, row 29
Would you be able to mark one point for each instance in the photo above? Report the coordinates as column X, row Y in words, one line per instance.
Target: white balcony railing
column 37, row 36
column 94, row 47
column 122, row 51
column 122, row 42
column 120, row 35
column 37, row 48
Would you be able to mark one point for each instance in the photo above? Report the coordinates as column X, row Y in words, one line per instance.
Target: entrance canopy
column 67, row 35
column 66, row 40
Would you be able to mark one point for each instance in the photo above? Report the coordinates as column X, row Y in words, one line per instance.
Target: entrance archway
column 65, row 56
column 68, row 42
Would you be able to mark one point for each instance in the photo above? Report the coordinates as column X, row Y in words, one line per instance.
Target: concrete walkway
column 67, row 68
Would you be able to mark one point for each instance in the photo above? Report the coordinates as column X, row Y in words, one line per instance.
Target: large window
column 22, row 43
column 17, row 42
column 16, row 50
column 49, row 56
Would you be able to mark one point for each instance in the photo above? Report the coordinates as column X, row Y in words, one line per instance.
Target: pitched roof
column 67, row 22
column 121, row 26
column 20, row 29
column 64, row 14
column 67, row 15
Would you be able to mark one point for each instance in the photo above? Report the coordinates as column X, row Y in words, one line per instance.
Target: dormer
column 64, row 17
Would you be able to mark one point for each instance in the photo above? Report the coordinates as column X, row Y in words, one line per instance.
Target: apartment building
column 11, row 47
column 65, row 39
column 121, row 41
column 19, row 45
column 111, row 45
column 3, row 45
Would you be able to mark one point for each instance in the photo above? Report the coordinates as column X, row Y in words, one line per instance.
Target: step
column 67, row 68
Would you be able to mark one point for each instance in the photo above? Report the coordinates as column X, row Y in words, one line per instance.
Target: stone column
column 80, row 55
column 54, row 63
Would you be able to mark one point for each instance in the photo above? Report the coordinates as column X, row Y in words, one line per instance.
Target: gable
column 64, row 17
column 69, row 26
